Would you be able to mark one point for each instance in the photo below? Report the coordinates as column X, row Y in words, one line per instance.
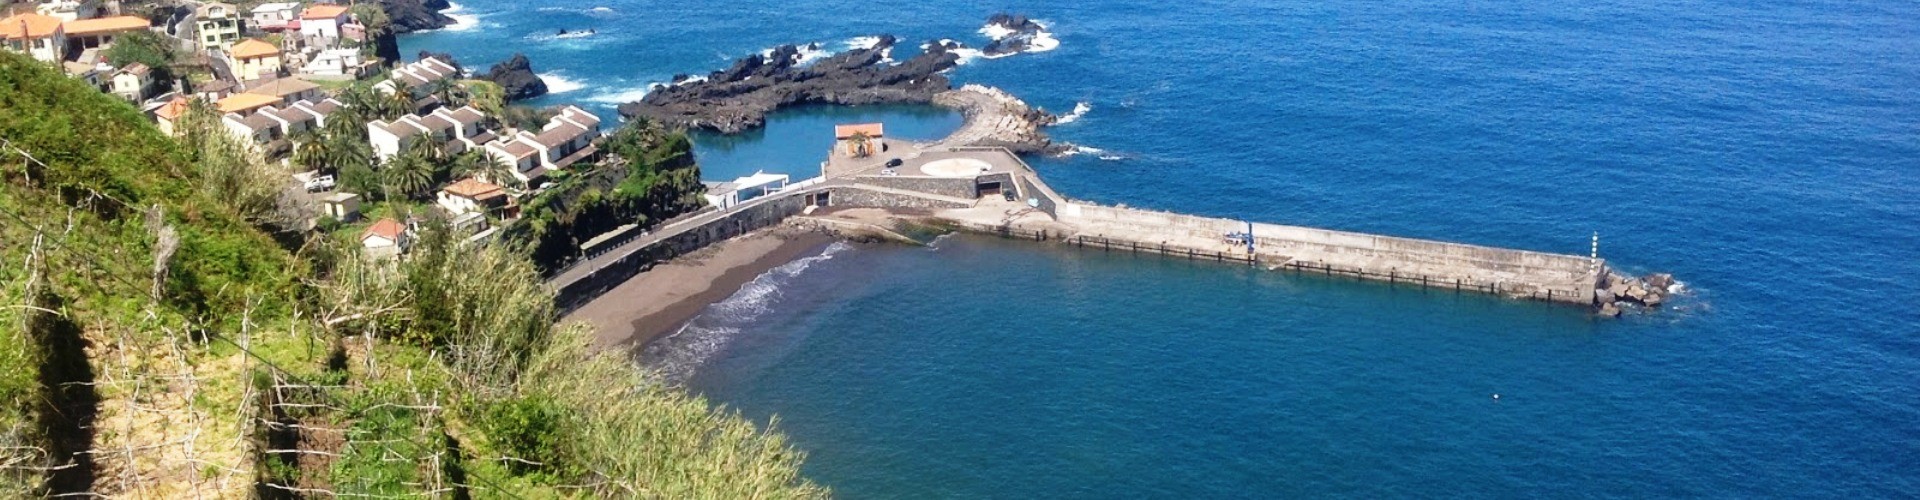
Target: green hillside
column 161, row 341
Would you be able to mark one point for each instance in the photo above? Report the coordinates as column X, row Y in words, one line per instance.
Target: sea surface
column 1765, row 152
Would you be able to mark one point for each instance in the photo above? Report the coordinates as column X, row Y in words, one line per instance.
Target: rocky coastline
column 738, row 98
column 407, row 16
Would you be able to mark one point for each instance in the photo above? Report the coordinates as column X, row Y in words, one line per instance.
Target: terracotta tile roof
column 173, row 109
column 385, row 228
column 251, row 48
column 873, row 130
column 474, row 189
column 28, row 25
column 323, row 11
column 105, row 25
column 244, row 102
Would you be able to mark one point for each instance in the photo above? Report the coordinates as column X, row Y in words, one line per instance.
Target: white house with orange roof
column 472, row 195
column 253, row 59
column 100, row 32
column 168, row 114
column 386, row 235
column 40, row 36
column 133, row 82
column 322, row 20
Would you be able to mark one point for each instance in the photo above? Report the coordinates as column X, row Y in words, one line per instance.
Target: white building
column 335, row 63
column 275, row 16
column 42, row 37
column 417, row 75
column 567, row 139
column 69, row 10
column 726, row 195
column 471, row 196
column 322, row 21
column 133, row 83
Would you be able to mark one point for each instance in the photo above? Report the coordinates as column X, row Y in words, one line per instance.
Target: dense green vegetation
column 652, row 179
column 142, row 296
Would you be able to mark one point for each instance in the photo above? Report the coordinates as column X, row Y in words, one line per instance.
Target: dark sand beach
column 656, row 302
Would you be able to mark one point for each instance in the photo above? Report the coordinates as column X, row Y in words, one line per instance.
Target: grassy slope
column 179, row 412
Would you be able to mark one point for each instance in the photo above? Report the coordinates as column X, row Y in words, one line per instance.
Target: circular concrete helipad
column 956, row 167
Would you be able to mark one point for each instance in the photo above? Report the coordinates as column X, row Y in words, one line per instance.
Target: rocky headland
column 407, row 16
column 516, row 77
column 738, row 98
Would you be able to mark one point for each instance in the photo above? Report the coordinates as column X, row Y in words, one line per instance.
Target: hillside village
column 302, row 87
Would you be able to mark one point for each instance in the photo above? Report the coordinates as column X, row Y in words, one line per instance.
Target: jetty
column 957, row 182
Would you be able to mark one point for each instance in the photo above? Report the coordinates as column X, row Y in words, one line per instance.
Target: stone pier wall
column 1561, row 278
column 741, row 221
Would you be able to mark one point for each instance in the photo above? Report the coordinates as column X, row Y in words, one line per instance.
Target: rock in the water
column 1637, row 294
column 738, row 98
column 1659, row 281
column 1610, row 310
column 1653, row 299
column 1617, row 288
column 517, row 79
column 408, row 16
column 1020, row 34
column 1603, row 296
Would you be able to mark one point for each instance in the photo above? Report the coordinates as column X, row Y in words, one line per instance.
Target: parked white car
column 320, row 183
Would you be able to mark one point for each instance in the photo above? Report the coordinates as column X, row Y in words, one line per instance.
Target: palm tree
column 408, row 175
column 478, row 163
column 401, row 101
column 311, row 151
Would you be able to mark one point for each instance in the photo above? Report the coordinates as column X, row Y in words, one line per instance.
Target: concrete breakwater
column 991, row 190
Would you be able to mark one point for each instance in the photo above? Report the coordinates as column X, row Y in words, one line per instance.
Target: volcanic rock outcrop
column 408, row 16
column 738, row 98
column 1020, row 36
column 517, row 79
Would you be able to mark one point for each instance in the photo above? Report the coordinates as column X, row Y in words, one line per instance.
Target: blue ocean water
column 1767, row 153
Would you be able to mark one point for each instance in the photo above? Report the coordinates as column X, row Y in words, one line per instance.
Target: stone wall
column 741, row 221
column 1030, row 192
column 852, row 196
column 1501, row 270
column 943, row 186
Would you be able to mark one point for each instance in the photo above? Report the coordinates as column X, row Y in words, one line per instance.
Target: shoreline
column 657, row 302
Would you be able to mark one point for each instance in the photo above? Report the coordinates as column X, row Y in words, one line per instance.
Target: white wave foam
column 462, row 20
column 1079, row 109
column 1093, row 151
column 967, row 54
column 995, row 31
column 696, row 342
column 862, row 42
column 1042, row 41
column 622, row 96
column 557, row 84
column 810, row 53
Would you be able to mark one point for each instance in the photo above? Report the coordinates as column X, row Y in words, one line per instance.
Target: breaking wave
column 1079, row 109
column 557, row 84
column 682, row 353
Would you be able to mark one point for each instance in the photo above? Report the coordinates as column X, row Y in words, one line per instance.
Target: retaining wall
column 954, row 187
column 740, row 221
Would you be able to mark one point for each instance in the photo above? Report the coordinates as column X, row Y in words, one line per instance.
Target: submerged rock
column 516, row 78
